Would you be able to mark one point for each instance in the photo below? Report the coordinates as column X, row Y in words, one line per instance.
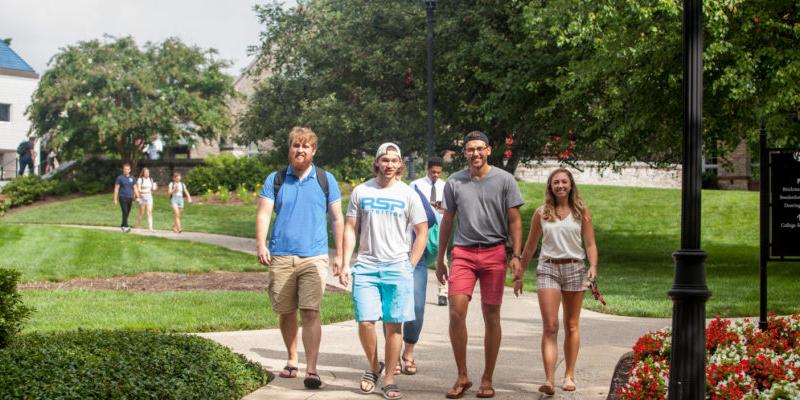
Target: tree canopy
column 109, row 97
column 621, row 87
column 577, row 79
column 355, row 72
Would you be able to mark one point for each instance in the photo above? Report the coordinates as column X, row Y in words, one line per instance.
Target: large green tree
column 620, row 87
column 355, row 72
column 111, row 96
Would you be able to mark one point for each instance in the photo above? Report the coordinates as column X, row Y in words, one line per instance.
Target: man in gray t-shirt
column 485, row 200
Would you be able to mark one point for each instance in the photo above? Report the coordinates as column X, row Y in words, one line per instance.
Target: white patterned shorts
column 569, row 277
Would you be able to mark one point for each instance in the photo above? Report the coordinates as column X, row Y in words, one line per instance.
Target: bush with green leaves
column 352, row 170
column 87, row 364
column 27, row 189
column 228, row 171
column 12, row 311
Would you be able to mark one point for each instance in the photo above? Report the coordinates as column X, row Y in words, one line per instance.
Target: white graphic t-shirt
column 385, row 215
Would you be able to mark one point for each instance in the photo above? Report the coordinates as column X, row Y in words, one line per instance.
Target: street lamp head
column 429, row 3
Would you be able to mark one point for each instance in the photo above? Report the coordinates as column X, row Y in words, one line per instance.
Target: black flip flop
column 312, row 381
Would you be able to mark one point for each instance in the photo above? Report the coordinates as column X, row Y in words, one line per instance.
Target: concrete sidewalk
column 518, row 374
column 519, row 371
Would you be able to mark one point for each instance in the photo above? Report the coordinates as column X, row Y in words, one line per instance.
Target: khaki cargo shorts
column 297, row 282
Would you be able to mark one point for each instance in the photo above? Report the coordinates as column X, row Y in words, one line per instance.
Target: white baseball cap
column 384, row 148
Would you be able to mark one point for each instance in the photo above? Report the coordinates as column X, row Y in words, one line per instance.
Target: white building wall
column 17, row 92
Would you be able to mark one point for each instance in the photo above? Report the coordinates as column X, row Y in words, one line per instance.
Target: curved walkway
column 518, row 374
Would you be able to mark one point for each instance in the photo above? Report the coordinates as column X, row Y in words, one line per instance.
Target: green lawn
column 234, row 220
column 55, row 253
column 638, row 229
column 59, row 310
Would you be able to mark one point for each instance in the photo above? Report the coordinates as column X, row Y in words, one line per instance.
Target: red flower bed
column 742, row 362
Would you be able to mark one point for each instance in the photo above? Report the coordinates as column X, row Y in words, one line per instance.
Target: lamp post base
column 689, row 294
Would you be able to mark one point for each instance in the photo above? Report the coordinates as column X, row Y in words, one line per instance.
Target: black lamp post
column 689, row 291
column 430, row 5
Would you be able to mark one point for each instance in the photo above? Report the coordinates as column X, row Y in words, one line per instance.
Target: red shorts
column 470, row 264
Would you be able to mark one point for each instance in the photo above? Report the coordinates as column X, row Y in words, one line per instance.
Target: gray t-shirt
column 385, row 215
column 481, row 206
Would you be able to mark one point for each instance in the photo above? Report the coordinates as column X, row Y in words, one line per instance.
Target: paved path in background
column 519, row 372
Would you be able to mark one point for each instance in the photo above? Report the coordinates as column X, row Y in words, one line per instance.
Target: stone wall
column 588, row 173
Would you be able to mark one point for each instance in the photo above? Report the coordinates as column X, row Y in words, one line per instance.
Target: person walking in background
column 145, row 187
column 432, row 186
column 485, row 201
column 297, row 254
column 27, row 153
column 176, row 191
column 562, row 222
column 382, row 209
column 124, row 192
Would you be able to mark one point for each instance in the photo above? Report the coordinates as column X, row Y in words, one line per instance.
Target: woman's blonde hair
column 576, row 203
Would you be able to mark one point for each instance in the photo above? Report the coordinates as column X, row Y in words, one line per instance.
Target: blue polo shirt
column 125, row 186
column 300, row 227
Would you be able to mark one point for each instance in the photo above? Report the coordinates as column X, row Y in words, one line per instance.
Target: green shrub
column 352, row 170
column 27, row 189
column 230, row 172
column 12, row 311
column 124, row 365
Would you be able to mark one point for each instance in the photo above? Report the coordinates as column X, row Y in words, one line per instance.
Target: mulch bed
column 621, row 374
column 167, row 281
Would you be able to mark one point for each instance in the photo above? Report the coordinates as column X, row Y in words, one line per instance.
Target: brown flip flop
column 461, row 389
column 485, row 392
column 547, row 389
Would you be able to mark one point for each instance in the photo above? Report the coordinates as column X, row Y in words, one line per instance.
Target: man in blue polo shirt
column 298, row 246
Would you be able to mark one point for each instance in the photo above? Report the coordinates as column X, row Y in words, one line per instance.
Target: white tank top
column 562, row 239
column 145, row 186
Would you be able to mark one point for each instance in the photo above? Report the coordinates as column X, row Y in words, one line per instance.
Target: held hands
column 263, row 255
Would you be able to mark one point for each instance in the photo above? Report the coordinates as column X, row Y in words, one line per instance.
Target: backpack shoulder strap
column 280, row 176
column 322, row 179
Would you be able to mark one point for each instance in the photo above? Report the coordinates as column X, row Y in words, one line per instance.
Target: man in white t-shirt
column 383, row 288
column 432, row 186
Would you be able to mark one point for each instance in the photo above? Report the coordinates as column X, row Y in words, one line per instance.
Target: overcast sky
column 39, row 28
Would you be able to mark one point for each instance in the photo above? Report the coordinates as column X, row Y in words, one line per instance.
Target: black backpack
column 322, row 179
column 23, row 148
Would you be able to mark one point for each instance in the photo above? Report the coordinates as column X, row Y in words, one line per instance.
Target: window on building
column 5, row 112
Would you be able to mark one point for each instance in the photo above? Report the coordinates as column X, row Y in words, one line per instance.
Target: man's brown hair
column 302, row 134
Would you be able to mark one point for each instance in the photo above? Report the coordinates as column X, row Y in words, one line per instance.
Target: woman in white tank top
column 145, row 187
column 564, row 224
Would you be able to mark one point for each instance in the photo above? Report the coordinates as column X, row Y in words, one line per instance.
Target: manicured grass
column 57, row 253
column 60, row 310
column 638, row 229
column 225, row 219
column 234, row 220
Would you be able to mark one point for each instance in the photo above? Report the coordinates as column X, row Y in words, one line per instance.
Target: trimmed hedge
column 124, row 365
column 12, row 311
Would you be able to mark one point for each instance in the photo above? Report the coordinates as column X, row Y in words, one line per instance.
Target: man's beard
column 301, row 165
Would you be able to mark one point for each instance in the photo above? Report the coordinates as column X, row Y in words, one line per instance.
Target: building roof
column 12, row 64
